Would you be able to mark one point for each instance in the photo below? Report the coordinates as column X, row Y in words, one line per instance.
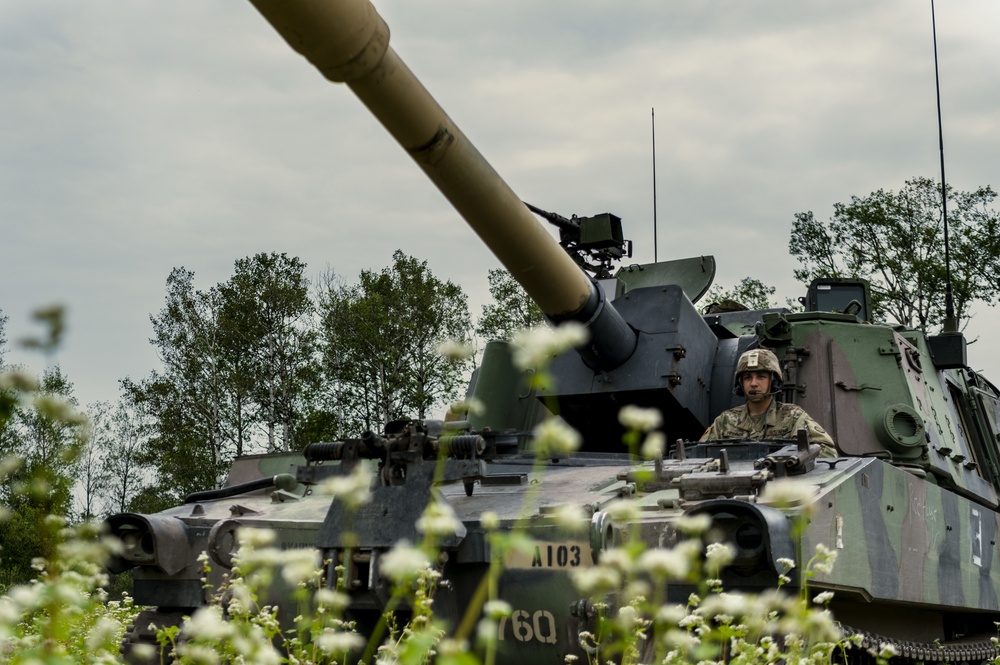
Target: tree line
column 270, row 360
column 896, row 240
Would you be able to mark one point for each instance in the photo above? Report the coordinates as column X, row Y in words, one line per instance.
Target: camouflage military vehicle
column 910, row 504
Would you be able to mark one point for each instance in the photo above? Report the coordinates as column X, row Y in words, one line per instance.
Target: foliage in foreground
column 64, row 617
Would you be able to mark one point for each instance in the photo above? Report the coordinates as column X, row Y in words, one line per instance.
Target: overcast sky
column 140, row 136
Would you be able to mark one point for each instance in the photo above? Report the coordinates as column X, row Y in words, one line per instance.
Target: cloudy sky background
column 136, row 137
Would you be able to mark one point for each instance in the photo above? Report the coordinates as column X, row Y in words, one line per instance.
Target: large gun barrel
column 349, row 43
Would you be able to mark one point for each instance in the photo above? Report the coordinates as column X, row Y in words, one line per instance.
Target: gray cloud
column 141, row 136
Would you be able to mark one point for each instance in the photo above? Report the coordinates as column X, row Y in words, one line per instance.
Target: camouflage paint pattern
column 910, row 507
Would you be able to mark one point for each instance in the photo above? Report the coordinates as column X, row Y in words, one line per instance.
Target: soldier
column 758, row 378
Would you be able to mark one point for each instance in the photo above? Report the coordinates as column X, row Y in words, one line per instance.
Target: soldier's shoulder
column 733, row 413
column 790, row 410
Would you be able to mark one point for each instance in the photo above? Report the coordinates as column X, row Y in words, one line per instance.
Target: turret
column 349, row 43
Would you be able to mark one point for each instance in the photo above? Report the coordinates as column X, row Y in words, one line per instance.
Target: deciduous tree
column 187, row 403
column 380, row 339
column 238, row 360
column 896, row 241
column 49, row 433
column 511, row 310
column 119, row 438
column 751, row 293
column 266, row 305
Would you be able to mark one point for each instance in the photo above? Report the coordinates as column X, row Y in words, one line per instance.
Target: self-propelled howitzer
column 910, row 504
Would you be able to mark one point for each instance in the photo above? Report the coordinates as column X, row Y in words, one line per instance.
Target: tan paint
column 349, row 42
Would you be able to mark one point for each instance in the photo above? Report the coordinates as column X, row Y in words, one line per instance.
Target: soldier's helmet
column 758, row 360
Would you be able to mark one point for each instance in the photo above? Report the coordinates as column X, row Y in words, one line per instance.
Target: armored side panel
column 905, row 542
column 670, row 370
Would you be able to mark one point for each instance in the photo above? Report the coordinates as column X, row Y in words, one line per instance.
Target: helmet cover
column 758, row 360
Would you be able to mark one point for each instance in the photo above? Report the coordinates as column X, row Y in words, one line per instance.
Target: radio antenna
column 652, row 118
column 950, row 322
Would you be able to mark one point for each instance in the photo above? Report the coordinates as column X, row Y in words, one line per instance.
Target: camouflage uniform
column 781, row 421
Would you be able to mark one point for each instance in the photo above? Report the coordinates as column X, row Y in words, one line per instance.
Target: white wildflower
column 570, row 518
column 198, row 654
column 240, row 600
column 9, row 465
column 665, row 563
column 470, row 406
column 104, row 631
column 403, row 562
column 439, row 519
column 207, row 624
column 637, row 591
column 333, row 642
column 497, row 609
column 250, row 558
column 26, row 597
column 640, row 419
column 693, row 525
column 489, row 520
column 18, row 380
column 300, row 565
column 622, row 510
column 332, row 599
column 819, row 625
column 690, row 621
column 823, row 560
column 786, row 563
column 654, row 445
column 534, row 347
column 616, row 558
column 450, row 648
column 728, row 604
column 251, row 537
column 887, row 651
column 718, row 556
column 690, row 548
column 143, row 652
column 682, row 640
column 628, row 618
column 787, row 493
column 599, row 579
column 670, row 615
column 486, row 632
column 554, row 438
column 59, row 408
column 10, row 614
column 823, row 598
column 455, row 351
column 353, row 490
